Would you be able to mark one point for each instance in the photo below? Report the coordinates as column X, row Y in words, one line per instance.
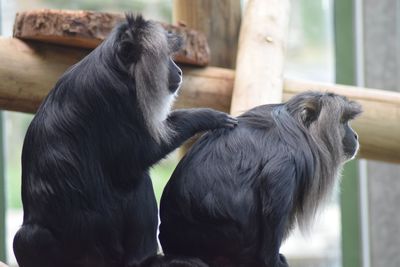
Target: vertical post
column 260, row 61
column 346, row 74
column 219, row 20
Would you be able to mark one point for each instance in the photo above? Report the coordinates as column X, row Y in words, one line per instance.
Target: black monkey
column 86, row 191
column 237, row 194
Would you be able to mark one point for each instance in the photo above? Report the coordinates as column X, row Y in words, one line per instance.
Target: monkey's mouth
column 174, row 86
column 352, row 153
column 355, row 151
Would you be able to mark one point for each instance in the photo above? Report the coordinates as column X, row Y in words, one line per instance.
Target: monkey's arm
column 187, row 122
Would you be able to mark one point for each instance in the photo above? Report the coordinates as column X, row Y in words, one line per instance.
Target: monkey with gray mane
column 237, row 194
column 86, row 190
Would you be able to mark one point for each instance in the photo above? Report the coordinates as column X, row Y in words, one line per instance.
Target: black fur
column 172, row 261
column 237, row 194
column 86, row 191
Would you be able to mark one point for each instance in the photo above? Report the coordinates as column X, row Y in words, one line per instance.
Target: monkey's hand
column 219, row 119
column 185, row 123
column 204, row 119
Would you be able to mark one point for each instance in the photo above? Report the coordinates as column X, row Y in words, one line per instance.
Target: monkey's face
column 350, row 141
column 174, row 76
column 326, row 117
column 175, row 43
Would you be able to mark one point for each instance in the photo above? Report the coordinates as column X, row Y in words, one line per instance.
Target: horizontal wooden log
column 87, row 29
column 29, row 70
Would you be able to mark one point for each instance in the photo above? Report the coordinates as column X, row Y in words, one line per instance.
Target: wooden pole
column 260, row 59
column 30, row 70
column 219, row 20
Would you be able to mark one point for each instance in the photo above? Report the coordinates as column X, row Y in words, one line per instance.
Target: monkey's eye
column 170, row 36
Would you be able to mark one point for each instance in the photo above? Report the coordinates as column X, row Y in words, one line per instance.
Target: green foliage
column 160, row 176
column 2, row 198
column 16, row 126
column 14, row 188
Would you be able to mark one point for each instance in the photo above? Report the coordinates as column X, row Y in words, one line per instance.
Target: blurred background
column 326, row 44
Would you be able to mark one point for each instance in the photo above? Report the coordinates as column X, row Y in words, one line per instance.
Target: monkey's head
column 324, row 121
column 327, row 117
column 142, row 51
column 145, row 44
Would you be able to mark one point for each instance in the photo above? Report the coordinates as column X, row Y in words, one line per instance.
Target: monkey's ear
column 128, row 52
column 309, row 113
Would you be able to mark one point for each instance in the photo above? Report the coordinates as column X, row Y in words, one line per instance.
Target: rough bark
column 87, row 29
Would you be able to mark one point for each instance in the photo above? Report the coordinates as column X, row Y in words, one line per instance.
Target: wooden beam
column 29, row 70
column 208, row 87
column 87, row 29
column 260, row 59
column 378, row 127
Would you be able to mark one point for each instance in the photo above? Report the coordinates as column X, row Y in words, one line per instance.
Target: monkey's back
column 80, row 158
column 236, row 195
column 209, row 204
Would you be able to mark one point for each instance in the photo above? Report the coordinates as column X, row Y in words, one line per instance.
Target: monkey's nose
column 180, row 72
column 356, row 136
